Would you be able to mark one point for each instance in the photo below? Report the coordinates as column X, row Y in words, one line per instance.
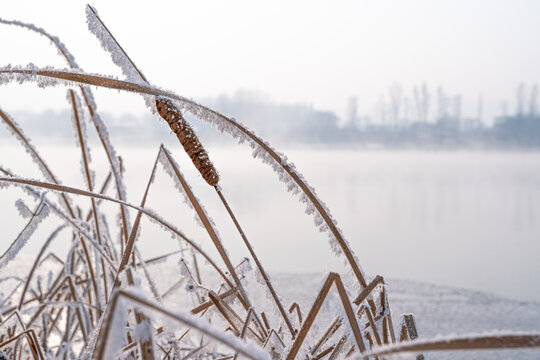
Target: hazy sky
column 313, row 52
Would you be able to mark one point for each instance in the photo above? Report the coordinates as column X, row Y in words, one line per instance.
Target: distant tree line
column 421, row 119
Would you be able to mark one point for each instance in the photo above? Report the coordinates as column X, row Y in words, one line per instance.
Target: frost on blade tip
column 191, row 284
column 144, row 330
column 40, row 213
column 23, row 210
column 19, row 134
column 111, row 46
column 244, row 267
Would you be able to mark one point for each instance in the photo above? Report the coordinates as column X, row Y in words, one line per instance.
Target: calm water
column 466, row 219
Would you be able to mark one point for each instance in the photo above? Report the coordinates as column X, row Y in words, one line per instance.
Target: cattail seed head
column 189, row 140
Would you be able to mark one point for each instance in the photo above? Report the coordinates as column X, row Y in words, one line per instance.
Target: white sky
column 313, row 52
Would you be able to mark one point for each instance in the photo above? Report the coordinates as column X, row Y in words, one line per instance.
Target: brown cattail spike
column 189, row 140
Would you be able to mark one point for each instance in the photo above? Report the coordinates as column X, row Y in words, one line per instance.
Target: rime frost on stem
column 118, row 56
column 144, row 330
column 244, row 267
column 23, row 210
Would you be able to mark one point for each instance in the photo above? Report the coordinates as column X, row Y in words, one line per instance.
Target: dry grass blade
column 469, row 342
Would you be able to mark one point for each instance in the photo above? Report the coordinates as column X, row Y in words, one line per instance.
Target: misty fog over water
column 466, row 219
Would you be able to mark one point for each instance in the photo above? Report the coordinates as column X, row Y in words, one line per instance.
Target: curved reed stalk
column 75, row 191
column 35, row 155
column 111, row 83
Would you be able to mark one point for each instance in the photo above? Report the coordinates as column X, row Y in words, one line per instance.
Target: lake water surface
column 466, row 219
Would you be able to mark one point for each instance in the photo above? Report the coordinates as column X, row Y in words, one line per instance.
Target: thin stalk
column 255, row 258
column 209, row 228
column 88, row 175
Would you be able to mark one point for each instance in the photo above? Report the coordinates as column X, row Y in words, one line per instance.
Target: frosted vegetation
column 104, row 299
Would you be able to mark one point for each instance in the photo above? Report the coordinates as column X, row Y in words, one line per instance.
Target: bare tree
column 352, row 111
column 520, row 100
column 396, row 97
column 425, row 102
column 381, row 110
column 456, row 109
column 406, row 110
column 418, row 104
column 421, row 102
column 533, row 101
column 442, row 104
column 479, row 109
